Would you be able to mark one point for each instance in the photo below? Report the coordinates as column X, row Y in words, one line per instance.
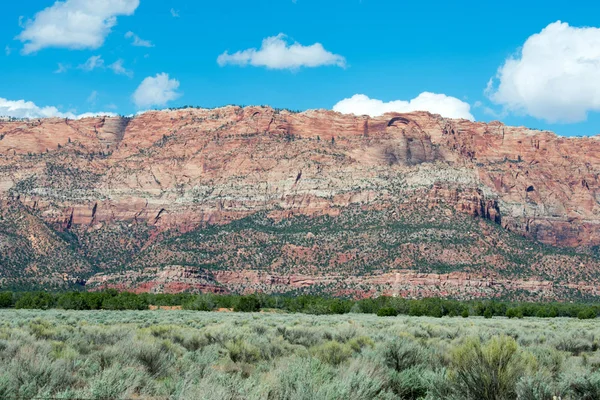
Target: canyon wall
column 166, row 173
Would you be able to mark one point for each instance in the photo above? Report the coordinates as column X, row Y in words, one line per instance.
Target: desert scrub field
column 207, row 355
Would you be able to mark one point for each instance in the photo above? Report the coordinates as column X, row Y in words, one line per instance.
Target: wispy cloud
column 137, row 41
column 7, row 50
column 92, row 63
column 501, row 114
column 174, row 13
column 92, row 98
column 62, row 68
column 118, row 68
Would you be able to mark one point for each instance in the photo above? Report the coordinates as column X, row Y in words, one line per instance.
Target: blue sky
column 391, row 51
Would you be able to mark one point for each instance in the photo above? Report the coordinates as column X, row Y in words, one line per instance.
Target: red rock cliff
column 177, row 169
column 129, row 183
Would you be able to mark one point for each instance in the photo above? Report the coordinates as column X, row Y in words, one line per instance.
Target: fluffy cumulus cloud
column 156, row 91
column 277, row 53
column 555, row 76
column 74, row 24
column 446, row 106
column 28, row 109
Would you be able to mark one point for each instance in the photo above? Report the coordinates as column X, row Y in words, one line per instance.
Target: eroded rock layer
column 136, row 198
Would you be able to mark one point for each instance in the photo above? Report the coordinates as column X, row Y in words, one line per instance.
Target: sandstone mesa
column 138, row 187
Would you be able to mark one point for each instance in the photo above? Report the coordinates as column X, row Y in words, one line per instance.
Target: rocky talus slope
column 243, row 199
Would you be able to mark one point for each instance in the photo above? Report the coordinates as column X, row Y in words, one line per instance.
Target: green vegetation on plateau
column 357, row 243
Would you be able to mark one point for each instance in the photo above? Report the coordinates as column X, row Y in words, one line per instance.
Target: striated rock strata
column 116, row 194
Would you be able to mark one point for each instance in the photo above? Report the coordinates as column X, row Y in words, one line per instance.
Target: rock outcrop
column 134, row 183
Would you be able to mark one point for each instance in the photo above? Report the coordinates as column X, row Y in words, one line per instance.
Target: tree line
column 308, row 304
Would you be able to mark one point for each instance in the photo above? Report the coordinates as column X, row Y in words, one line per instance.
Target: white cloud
column 118, row 68
column 174, row 13
column 28, row 109
column 137, row 41
column 446, row 106
column 156, row 91
column 95, row 114
column 92, row 63
column 73, row 24
column 277, row 53
column 7, row 50
column 61, row 68
column 555, row 76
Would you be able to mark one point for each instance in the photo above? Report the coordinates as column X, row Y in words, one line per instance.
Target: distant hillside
column 245, row 199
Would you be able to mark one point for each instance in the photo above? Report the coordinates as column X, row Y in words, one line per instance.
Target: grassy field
column 201, row 355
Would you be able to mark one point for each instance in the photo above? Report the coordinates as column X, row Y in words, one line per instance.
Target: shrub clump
column 332, row 352
column 402, row 353
column 387, row 312
column 487, row 371
column 247, row 304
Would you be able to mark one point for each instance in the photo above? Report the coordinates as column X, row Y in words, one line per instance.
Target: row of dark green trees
column 382, row 306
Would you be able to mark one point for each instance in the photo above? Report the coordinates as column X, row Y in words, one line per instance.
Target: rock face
column 121, row 192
